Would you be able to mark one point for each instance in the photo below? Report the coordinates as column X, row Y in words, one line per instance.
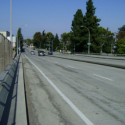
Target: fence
column 6, row 81
column 5, row 53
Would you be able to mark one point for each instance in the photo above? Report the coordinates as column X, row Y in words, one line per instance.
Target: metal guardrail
column 5, row 52
column 6, row 79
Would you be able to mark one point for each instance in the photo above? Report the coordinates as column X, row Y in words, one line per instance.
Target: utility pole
column 11, row 21
column 52, row 45
column 63, row 47
column 49, row 45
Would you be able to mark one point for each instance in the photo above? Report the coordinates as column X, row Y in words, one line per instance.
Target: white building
column 13, row 40
column 6, row 34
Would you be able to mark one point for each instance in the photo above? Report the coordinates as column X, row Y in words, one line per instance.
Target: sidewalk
column 21, row 116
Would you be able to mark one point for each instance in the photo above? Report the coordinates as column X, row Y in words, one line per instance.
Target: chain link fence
column 5, row 53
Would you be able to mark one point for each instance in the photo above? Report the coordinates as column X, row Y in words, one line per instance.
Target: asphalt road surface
column 66, row 92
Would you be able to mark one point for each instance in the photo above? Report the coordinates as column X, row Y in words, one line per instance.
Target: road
column 66, row 92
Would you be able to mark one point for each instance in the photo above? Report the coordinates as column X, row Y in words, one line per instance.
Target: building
column 13, row 40
column 5, row 33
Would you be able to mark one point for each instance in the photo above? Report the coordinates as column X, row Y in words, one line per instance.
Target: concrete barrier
column 93, row 62
column 6, row 79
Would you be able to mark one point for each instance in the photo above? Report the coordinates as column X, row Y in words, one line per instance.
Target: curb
column 21, row 116
column 103, row 57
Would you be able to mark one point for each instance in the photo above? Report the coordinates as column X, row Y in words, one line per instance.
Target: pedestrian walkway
column 21, row 117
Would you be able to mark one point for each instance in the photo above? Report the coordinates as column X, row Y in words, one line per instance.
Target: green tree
column 106, row 39
column 49, row 38
column 77, row 32
column 56, row 42
column 121, row 46
column 37, row 41
column 20, row 38
column 43, row 37
column 121, row 28
column 121, row 32
column 65, row 38
column 121, row 35
column 28, row 41
column 92, row 23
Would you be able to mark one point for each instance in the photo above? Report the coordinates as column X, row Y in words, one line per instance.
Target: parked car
column 32, row 53
column 41, row 53
column 50, row 53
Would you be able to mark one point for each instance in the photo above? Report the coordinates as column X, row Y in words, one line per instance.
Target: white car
column 32, row 53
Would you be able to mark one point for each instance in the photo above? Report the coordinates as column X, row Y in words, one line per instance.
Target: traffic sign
column 89, row 44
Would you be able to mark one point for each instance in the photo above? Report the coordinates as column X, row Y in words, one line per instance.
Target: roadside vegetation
column 102, row 39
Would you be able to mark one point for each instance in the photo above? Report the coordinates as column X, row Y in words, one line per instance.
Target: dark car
column 32, row 53
column 50, row 53
column 41, row 53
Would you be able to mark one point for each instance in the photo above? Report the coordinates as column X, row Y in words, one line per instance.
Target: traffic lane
column 115, row 75
column 97, row 71
column 92, row 90
column 110, row 61
column 45, row 104
column 102, row 77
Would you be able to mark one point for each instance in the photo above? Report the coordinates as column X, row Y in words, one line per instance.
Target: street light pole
column 63, row 47
column 89, row 43
column 89, row 40
column 49, row 45
column 52, row 45
column 11, row 21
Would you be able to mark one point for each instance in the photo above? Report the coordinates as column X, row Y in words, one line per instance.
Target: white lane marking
column 102, row 77
column 81, row 115
column 70, row 66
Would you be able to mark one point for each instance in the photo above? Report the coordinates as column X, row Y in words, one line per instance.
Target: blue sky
column 56, row 15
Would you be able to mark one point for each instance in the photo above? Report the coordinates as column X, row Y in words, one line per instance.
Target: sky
column 56, row 15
